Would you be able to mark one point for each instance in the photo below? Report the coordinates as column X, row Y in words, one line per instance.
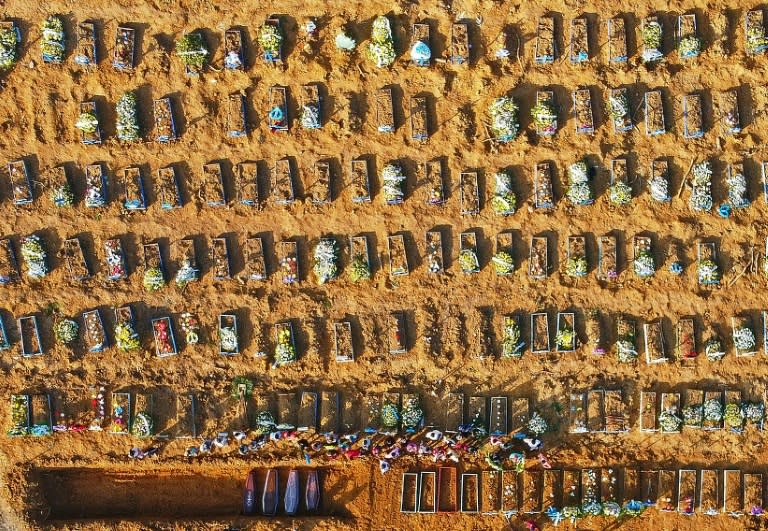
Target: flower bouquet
column 34, row 256
column 191, row 328
column 644, row 265
column 576, row 266
column 692, row 415
column 52, row 40
column 153, row 279
column 544, row 117
column 310, row 116
column 689, row 46
column 325, row 266
column 126, row 337
column 708, row 271
column 659, row 188
column 713, row 413
column 392, row 180
column 753, row 412
column 359, row 269
column 504, row 124
column 285, row 351
column 228, row 339
column 626, row 350
column 744, row 339
column 390, row 416
column 120, row 418
column 344, row 42
column 565, row 339
column 756, row 41
column 733, row 416
column 579, row 192
column 669, row 422
column 61, row 195
column 87, row 122
column 618, row 110
column 651, row 35
column 265, row 422
column 127, row 118
column 503, row 263
column 511, row 344
column 186, row 273
column 9, row 41
column 271, row 40
column 164, row 341
column 590, row 506
column 701, row 197
column 381, row 49
column 19, row 416
column 65, row 331
column 468, row 261
column 143, row 425
column 620, row 193
column 737, row 189
column 504, row 200
column 192, row 51
column 412, row 416
column 537, row 425
column 713, row 349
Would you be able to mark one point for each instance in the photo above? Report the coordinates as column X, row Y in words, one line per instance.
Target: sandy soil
column 39, row 106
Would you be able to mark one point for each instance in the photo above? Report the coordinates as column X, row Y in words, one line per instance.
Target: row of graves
column 194, row 52
column 258, row 258
column 324, row 182
column 570, row 494
column 503, row 114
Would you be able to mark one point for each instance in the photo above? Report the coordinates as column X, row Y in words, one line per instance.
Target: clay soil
column 50, row 481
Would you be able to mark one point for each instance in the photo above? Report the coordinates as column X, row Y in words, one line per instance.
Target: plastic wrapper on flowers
column 537, row 425
column 701, row 197
column 576, row 266
column 153, row 279
column 618, row 109
column 503, row 263
column 62, row 196
column 620, row 193
column 692, row 415
column 52, row 40
column 127, row 119
column 544, row 117
column 186, row 274
column 733, row 417
column 270, row 40
column 9, row 42
column 744, row 339
column 392, row 182
column 126, row 337
column 626, row 350
column 285, row 352
column 326, row 256
column 468, row 261
column 689, row 46
column 381, row 49
column 504, row 121
column 579, row 192
column 651, row 35
column 565, row 339
column 412, row 416
column 310, row 116
column 644, row 265
column 737, row 190
column 87, row 122
column 659, row 188
column 228, row 339
column 34, row 256
column 708, row 272
column 65, row 331
column 753, row 412
column 390, row 416
column 669, row 422
column 359, row 269
column 504, row 201
column 511, row 344
column 143, row 425
column 713, row 349
column 713, row 412
column 192, row 51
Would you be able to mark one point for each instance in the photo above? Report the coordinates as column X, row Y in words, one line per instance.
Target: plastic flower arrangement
column 265, row 422
column 618, row 109
column 537, row 425
column 325, row 266
column 19, row 416
column 565, row 339
column 579, row 192
column 310, row 116
column 143, row 425
column 504, row 201
column 708, row 271
column 753, row 412
column 744, row 339
column 126, row 337
column 228, row 339
column 503, row 263
column 191, row 328
column 644, row 265
column 689, row 46
column 153, row 279
column 65, row 331
column 119, row 419
column 504, row 123
column 544, row 117
column 659, row 188
column 359, row 269
column 651, row 34
column 692, row 415
column 412, row 415
column 87, row 122
column 186, row 274
column 733, row 417
column 576, row 266
column 757, row 42
column 9, row 41
column 392, row 179
column 34, row 256
column 511, row 345
column 344, row 42
column 270, row 39
column 62, row 196
column 52, row 40
column 737, row 190
column 701, row 197
column 713, row 349
column 285, row 352
column 626, row 350
column 420, row 53
column 127, row 118
column 468, row 261
column 381, row 49
column 669, row 422
column 620, row 193
column 713, row 412
column 192, row 51
column 390, row 416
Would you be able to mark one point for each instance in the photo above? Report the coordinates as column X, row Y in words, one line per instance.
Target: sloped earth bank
column 58, row 476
